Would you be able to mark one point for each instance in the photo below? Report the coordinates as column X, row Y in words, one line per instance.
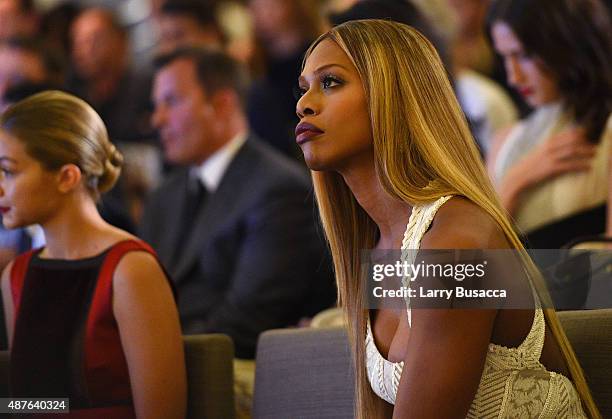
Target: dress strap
column 534, row 341
column 17, row 277
column 117, row 252
column 420, row 220
column 104, row 288
column 101, row 322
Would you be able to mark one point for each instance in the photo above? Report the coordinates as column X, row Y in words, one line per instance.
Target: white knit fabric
column 561, row 196
column 514, row 384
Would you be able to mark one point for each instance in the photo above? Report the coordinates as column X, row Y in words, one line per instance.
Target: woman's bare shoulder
column 116, row 234
column 461, row 224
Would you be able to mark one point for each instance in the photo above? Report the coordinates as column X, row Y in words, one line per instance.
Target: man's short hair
column 25, row 89
column 215, row 70
column 203, row 12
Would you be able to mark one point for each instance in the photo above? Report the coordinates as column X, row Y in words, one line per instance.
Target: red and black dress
column 66, row 341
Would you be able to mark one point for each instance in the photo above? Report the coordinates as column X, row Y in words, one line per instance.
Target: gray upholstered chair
column 303, row 373
column 590, row 333
column 209, row 360
column 306, row 373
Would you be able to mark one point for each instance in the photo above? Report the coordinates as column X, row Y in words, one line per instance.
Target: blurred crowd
column 103, row 52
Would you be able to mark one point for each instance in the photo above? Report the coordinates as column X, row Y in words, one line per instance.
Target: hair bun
column 112, row 168
column 114, row 156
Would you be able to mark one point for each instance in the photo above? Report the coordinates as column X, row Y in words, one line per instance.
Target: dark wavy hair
column 573, row 38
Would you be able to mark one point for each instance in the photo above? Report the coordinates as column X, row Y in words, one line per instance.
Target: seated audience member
column 394, row 167
column 55, row 24
column 15, row 241
column 484, row 103
column 469, row 46
column 188, row 23
column 487, row 105
column 28, row 61
column 235, row 224
column 103, row 77
column 111, row 208
column 18, row 18
column 551, row 169
column 90, row 316
column 283, row 30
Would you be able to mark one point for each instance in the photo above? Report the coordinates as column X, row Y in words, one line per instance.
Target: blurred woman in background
column 551, row 169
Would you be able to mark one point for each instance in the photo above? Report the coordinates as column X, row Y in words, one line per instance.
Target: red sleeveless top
column 66, row 340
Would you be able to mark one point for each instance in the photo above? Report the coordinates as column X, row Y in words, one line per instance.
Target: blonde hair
column 57, row 128
column 423, row 150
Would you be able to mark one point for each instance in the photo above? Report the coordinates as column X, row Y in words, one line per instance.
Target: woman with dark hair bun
column 551, row 169
column 91, row 316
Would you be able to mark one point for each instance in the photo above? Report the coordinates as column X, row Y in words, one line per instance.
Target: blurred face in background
column 526, row 73
column 272, row 18
column 14, row 21
column 183, row 30
column 184, row 116
column 470, row 15
column 18, row 66
column 97, row 47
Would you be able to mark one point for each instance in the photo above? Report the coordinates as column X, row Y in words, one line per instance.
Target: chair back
column 304, row 373
column 210, row 376
column 590, row 333
column 209, row 361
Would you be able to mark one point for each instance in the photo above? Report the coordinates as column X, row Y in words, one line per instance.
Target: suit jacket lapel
column 218, row 207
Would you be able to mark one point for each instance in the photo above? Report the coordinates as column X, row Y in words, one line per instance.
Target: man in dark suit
column 235, row 225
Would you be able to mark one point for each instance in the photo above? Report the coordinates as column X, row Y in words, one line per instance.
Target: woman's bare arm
column 567, row 151
column 447, row 347
column 151, row 337
column 444, row 362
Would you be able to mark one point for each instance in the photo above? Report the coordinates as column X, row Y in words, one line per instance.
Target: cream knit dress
column 514, row 384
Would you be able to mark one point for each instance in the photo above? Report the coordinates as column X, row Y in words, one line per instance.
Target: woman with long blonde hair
column 394, row 166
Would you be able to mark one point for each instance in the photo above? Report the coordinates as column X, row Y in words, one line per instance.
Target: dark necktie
column 194, row 202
